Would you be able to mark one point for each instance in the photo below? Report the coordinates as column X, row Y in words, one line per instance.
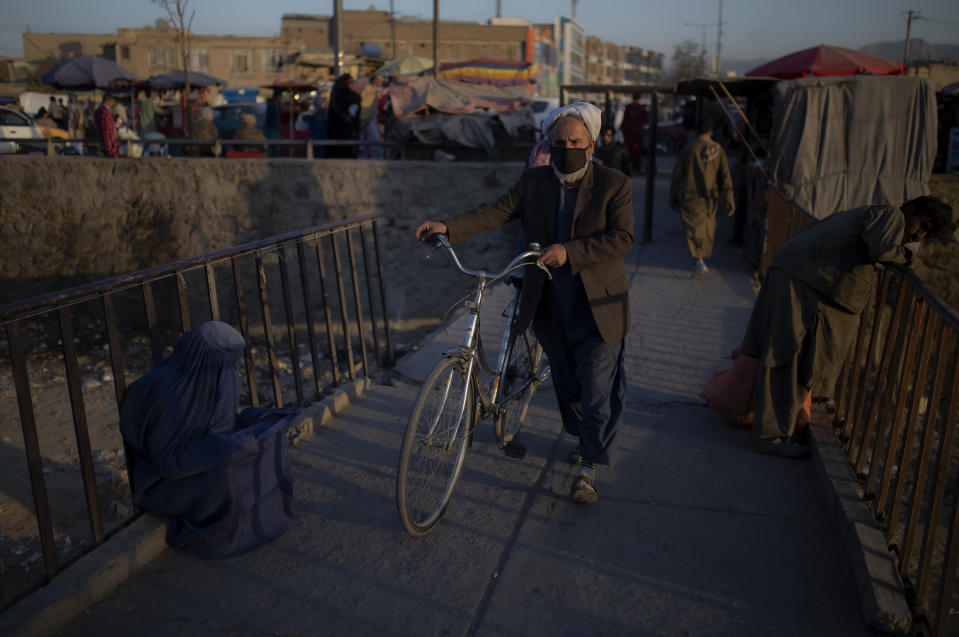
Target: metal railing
column 327, row 282
column 897, row 414
column 278, row 148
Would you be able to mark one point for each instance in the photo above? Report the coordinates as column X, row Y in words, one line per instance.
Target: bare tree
column 689, row 61
column 177, row 13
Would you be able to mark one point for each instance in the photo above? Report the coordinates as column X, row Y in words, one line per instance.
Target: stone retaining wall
column 67, row 220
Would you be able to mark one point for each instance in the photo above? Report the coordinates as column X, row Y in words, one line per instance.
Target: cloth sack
column 730, row 393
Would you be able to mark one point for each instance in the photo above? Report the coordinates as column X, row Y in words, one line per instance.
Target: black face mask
column 567, row 160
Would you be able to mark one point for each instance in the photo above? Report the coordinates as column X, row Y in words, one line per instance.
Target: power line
column 938, row 21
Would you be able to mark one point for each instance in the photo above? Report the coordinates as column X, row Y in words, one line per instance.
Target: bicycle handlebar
column 519, row 260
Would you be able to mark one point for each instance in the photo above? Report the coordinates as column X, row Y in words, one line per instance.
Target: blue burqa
column 223, row 479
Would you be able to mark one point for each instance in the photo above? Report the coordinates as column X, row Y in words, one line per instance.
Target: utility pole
column 499, row 8
column 574, row 9
column 719, row 41
column 436, row 29
column 913, row 15
column 392, row 30
column 337, row 38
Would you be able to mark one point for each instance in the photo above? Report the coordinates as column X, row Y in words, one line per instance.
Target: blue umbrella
column 86, row 73
column 174, row 80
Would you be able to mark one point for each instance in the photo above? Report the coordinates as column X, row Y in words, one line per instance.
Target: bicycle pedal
column 514, row 449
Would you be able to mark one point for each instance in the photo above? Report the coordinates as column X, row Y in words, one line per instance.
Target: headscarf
column 191, row 394
column 587, row 113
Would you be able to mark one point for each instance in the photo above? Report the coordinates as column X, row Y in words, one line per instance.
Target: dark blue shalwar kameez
column 587, row 372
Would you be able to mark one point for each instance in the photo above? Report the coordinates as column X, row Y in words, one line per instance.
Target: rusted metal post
column 919, row 482
column 182, row 302
column 369, row 295
column 290, row 324
column 149, row 307
column 119, row 377
column 268, row 328
column 881, row 382
column 28, row 425
column 344, row 312
column 360, row 328
column 386, row 318
column 74, row 387
column 852, row 422
column 211, row 292
column 308, row 311
column 245, row 331
column 327, row 313
column 929, row 557
column 899, row 395
column 651, row 167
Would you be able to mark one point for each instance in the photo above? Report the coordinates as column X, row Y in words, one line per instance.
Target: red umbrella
column 825, row 60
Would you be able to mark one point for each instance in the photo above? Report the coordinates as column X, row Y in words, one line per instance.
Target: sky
column 752, row 29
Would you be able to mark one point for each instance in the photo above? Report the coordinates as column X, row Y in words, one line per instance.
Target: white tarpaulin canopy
column 455, row 97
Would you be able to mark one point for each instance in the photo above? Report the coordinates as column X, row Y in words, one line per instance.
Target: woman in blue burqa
column 223, row 479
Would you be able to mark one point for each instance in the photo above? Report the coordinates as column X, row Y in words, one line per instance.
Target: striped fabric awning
column 482, row 71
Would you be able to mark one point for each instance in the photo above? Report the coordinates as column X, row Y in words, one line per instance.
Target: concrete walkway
column 694, row 534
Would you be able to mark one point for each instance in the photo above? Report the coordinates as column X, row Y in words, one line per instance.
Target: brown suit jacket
column 602, row 234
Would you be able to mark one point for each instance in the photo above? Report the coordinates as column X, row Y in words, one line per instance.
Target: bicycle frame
column 471, row 345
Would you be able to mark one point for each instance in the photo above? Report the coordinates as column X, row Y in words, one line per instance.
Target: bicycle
column 453, row 399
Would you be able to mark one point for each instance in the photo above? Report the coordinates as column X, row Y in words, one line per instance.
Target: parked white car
column 541, row 107
column 14, row 125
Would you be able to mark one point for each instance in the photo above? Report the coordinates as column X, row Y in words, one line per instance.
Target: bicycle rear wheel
column 434, row 448
column 521, row 376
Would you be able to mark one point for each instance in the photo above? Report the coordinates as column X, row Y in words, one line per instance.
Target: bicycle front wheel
column 434, row 448
column 521, row 376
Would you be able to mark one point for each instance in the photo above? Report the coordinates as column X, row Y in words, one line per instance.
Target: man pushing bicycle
column 583, row 213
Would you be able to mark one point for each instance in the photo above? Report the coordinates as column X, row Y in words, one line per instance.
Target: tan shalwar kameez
column 807, row 312
column 701, row 180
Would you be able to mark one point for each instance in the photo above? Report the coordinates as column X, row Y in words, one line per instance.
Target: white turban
column 587, row 113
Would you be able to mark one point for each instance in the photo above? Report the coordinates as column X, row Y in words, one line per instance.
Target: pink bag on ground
column 730, row 393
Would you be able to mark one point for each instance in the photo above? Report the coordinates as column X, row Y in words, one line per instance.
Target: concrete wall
column 68, row 220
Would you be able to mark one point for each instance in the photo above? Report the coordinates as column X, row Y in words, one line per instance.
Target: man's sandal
column 584, row 490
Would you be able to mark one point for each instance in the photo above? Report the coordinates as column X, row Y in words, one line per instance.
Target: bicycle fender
column 456, row 353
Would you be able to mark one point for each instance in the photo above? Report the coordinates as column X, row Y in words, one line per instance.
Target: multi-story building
column 571, row 39
column 503, row 39
column 241, row 61
column 51, row 48
column 643, row 67
column 606, row 62
column 546, row 58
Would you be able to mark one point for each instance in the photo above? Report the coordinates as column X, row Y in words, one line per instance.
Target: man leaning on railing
column 807, row 312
